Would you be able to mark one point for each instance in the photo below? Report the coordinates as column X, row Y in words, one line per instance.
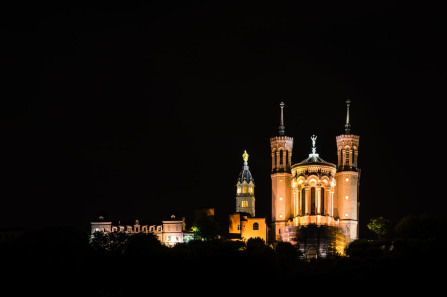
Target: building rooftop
column 314, row 159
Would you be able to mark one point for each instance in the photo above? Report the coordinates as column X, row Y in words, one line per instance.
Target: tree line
column 69, row 260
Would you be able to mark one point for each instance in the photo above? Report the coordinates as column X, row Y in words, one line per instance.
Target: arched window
column 287, row 157
column 322, row 201
column 281, row 158
column 303, row 201
column 244, row 190
column 312, row 200
column 255, row 226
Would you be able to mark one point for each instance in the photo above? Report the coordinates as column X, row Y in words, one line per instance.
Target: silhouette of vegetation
column 139, row 244
column 206, row 227
column 119, row 264
column 382, row 227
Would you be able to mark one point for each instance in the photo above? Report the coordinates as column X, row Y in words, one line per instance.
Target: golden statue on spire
column 245, row 156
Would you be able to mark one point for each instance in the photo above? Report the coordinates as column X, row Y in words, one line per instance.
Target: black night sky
column 137, row 111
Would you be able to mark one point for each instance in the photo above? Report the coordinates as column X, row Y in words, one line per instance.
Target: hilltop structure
column 243, row 224
column 315, row 203
column 170, row 233
column 315, row 193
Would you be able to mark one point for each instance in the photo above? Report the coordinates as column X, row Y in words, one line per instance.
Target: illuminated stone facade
column 169, row 233
column 243, row 224
column 315, row 192
column 246, row 227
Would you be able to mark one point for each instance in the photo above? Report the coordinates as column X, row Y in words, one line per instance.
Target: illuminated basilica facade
column 314, row 202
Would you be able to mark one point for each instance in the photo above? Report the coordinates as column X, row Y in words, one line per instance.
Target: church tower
column 281, row 148
column 245, row 190
column 347, row 181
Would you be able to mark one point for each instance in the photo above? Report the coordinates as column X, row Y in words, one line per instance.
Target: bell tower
column 281, row 148
column 348, row 181
column 245, row 190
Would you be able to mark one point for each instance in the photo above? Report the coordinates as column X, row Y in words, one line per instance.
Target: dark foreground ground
column 65, row 262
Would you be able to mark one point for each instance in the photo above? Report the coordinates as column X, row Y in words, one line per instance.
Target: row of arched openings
column 313, row 204
column 281, row 157
column 348, row 156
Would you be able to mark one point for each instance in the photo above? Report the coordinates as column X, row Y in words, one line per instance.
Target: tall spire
column 281, row 127
column 348, row 125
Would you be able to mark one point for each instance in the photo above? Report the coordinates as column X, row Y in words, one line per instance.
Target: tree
column 362, row 248
column 143, row 244
column 206, row 227
column 382, row 227
column 111, row 242
column 287, row 252
column 421, row 227
column 255, row 244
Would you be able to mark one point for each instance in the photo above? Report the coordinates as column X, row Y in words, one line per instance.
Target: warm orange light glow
column 347, row 197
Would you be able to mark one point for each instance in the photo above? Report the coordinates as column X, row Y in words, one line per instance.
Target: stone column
column 339, row 157
column 318, row 200
column 351, row 152
column 332, row 203
column 277, row 159
column 284, row 160
column 290, row 158
column 307, row 192
column 295, row 201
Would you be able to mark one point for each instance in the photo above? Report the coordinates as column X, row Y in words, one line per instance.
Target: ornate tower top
column 347, row 146
column 245, row 194
column 348, row 125
column 281, row 126
column 245, row 173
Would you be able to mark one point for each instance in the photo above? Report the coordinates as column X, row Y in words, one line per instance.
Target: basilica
column 315, row 203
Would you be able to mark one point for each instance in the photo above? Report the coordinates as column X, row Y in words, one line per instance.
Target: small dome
column 315, row 159
column 245, row 175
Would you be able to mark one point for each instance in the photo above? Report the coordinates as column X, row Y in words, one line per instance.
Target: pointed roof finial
column 281, row 126
column 245, row 157
column 348, row 125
